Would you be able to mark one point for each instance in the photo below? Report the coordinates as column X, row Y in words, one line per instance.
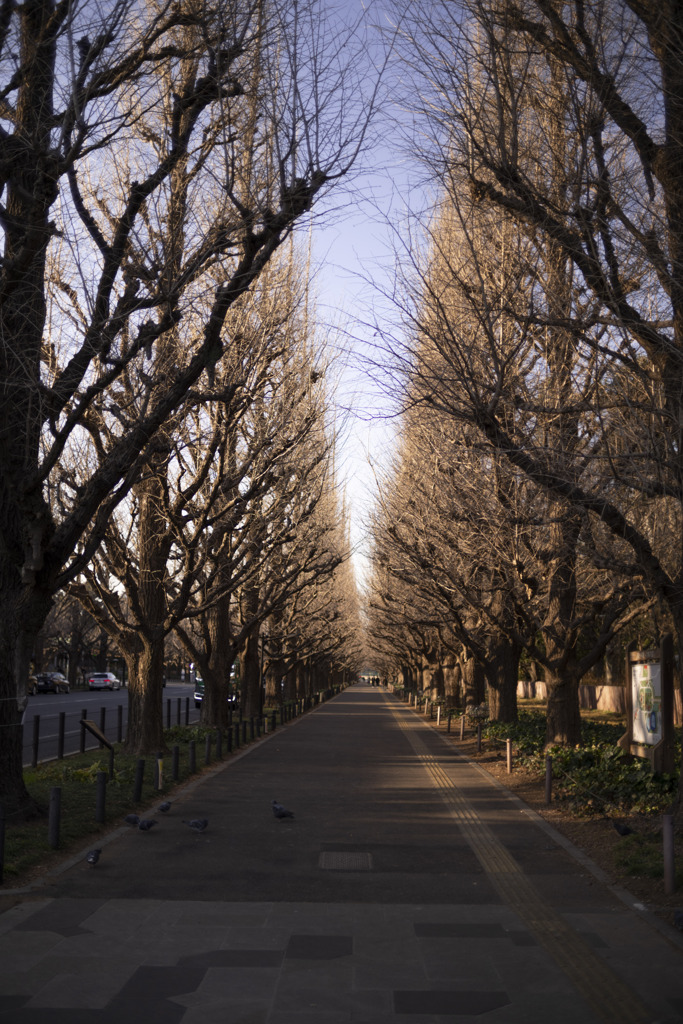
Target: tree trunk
column 215, row 711
column 473, row 682
column 564, row 713
column 502, row 669
column 250, row 662
column 145, row 734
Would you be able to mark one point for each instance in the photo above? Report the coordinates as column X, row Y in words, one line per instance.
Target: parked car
column 48, row 682
column 103, row 681
column 199, row 694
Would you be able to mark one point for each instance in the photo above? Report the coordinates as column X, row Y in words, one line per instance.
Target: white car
column 103, row 681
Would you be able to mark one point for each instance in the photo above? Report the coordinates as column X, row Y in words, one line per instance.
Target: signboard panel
column 646, row 693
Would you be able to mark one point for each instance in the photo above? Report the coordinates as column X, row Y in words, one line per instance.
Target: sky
column 353, row 254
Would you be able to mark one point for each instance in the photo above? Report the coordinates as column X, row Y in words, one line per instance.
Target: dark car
column 48, row 682
column 199, row 694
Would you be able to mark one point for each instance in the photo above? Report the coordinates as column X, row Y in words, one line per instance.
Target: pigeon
column 623, row 830
column 197, row 824
column 132, row 819
column 146, row 824
column 166, row 806
column 280, row 812
column 93, row 857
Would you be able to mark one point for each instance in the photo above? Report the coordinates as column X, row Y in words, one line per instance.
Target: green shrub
column 595, row 778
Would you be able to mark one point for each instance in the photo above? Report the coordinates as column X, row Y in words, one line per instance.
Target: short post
column 159, row 771
column 84, row 715
column 438, row 715
column 119, row 723
column 139, row 779
column 479, row 737
column 187, row 711
column 207, row 748
column 236, row 732
column 103, row 719
column 192, row 756
column 2, row 843
column 54, row 816
column 101, row 797
column 228, row 740
column 508, row 745
column 669, row 855
column 462, row 727
column 60, row 735
column 548, row 779
column 219, row 744
column 168, row 713
column 178, row 712
column 36, row 740
column 175, row 762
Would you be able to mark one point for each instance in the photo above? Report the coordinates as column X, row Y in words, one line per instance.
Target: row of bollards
column 668, row 844
column 239, row 732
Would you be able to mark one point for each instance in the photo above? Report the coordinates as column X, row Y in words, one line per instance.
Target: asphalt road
column 48, row 708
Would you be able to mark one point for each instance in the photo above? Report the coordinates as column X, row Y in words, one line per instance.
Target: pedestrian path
column 409, row 887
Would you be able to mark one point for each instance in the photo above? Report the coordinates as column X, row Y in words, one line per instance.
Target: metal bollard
column 54, row 816
column 101, row 797
column 84, row 715
column 508, row 751
column 36, row 740
column 2, row 843
column 178, row 711
column 669, row 854
column 462, row 727
column 207, row 748
column 219, row 744
column 438, row 716
column 139, row 779
column 119, row 723
column 103, row 719
column 548, row 779
column 187, row 711
column 168, row 712
column 60, row 735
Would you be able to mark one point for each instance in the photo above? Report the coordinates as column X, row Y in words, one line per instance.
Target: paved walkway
column 410, row 887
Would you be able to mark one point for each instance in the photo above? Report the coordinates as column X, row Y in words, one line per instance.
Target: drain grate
column 343, row 860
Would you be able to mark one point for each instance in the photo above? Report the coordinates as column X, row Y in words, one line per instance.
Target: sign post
column 649, row 705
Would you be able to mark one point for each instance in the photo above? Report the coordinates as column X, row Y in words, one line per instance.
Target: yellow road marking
column 608, row 996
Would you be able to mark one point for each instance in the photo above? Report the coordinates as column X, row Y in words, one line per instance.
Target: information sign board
column 646, row 701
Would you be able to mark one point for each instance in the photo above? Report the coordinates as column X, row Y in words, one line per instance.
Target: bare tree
column 545, row 316
column 117, row 123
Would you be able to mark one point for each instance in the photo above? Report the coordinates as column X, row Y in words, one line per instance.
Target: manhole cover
column 342, row 860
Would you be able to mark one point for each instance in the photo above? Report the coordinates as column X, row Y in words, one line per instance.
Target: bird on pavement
column 197, row 824
column 93, row 857
column 280, row 812
column 623, row 830
column 166, row 806
column 132, row 819
column 146, row 824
